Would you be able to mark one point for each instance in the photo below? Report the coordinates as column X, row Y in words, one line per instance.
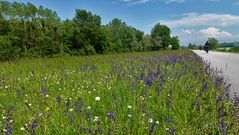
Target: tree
column 91, row 39
column 7, row 50
column 175, row 43
column 213, row 42
column 161, row 36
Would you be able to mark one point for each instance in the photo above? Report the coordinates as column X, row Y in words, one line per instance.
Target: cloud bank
column 195, row 19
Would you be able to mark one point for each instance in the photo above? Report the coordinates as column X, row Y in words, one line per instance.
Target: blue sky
column 192, row 20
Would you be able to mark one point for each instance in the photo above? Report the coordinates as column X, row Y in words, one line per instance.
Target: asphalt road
column 228, row 63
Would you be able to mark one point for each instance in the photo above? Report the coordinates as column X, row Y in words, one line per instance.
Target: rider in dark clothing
column 207, row 47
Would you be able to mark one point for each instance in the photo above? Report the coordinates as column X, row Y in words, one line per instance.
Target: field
column 169, row 92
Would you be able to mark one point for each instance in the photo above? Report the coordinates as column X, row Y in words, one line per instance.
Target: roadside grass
column 166, row 92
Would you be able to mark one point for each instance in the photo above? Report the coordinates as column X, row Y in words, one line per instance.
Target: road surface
column 228, row 63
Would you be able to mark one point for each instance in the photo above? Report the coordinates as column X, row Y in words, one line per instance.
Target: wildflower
column 22, row 128
column 152, row 128
column 6, row 87
column 96, row 119
column 111, row 115
column 157, row 122
column 71, row 110
column 4, row 117
column 11, row 121
column 129, row 106
column 129, row 116
column 88, row 107
column 30, row 104
column 47, row 95
column 40, row 114
column 150, row 120
column 47, row 109
column 97, row 98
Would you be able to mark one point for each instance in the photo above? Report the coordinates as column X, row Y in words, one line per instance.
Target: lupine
column 152, row 128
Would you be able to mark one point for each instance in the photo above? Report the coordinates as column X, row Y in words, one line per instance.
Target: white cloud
column 195, row 19
column 134, row 2
column 176, row 1
column 200, row 36
column 214, row 32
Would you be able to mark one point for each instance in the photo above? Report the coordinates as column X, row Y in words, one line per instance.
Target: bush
column 7, row 50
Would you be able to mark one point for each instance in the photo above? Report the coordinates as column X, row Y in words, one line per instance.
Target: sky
column 193, row 21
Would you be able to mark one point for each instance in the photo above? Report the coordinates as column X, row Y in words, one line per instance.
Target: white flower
column 167, row 129
column 150, row 120
column 97, row 98
column 47, row 95
column 89, row 92
column 143, row 114
column 96, row 119
column 40, row 114
column 129, row 115
column 88, row 107
column 150, row 97
column 26, row 101
column 157, row 122
column 30, row 104
column 4, row 117
column 4, row 130
column 129, row 106
column 22, row 128
column 71, row 110
column 6, row 87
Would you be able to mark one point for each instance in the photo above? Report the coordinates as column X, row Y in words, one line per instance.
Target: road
column 228, row 63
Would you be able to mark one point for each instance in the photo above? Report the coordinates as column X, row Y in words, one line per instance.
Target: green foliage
column 192, row 46
column 7, row 50
column 39, row 32
column 213, row 42
column 160, row 36
column 175, row 43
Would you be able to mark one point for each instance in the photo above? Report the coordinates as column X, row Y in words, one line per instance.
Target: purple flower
column 43, row 89
column 111, row 116
column 148, row 82
column 153, row 126
column 223, row 127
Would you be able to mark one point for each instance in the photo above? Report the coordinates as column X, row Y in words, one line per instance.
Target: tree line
column 30, row 31
column 213, row 43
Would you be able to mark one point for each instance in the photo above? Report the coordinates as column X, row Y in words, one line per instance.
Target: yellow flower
column 11, row 121
column 47, row 109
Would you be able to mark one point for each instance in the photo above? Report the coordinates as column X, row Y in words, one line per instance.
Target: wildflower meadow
column 161, row 93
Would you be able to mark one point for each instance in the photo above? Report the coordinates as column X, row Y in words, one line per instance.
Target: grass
column 233, row 50
column 170, row 92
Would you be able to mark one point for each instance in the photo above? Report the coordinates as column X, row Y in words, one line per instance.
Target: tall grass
column 170, row 92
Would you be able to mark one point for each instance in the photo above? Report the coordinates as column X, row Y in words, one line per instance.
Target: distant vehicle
column 206, row 47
